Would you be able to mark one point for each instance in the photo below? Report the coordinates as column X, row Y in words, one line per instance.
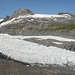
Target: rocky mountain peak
column 6, row 18
column 66, row 13
column 22, row 12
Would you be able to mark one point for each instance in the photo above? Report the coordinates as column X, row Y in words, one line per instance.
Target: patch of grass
column 65, row 27
column 31, row 28
column 58, row 28
column 53, row 25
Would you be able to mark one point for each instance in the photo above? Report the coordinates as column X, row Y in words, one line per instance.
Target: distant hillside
column 25, row 22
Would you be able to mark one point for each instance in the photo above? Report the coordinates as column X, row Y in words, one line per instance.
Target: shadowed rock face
column 21, row 12
column 6, row 18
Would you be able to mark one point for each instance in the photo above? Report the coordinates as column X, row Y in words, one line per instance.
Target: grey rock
column 70, row 46
column 6, row 18
column 21, row 12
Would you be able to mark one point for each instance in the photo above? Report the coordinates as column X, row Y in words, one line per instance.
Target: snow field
column 29, row 52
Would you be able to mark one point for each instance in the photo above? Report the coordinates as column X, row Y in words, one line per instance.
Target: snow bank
column 34, row 53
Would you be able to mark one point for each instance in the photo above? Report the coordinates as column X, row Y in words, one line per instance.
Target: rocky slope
column 16, row 68
column 25, row 22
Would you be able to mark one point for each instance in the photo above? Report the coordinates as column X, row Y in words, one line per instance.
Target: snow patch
column 16, row 21
column 57, row 43
column 67, row 16
column 44, row 16
column 1, row 20
column 7, row 22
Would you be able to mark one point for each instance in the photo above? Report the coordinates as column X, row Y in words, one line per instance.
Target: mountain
column 51, row 54
column 21, row 12
column 26, row 22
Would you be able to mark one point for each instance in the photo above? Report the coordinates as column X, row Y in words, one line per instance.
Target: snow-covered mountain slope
column 35, row 17
column 23, row 15
column 32, row 53
column 7, row 22
column 20, row 18
column 1, row 20
column 25, row 22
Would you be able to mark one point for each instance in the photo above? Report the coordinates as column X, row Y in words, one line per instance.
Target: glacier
column 29, row 52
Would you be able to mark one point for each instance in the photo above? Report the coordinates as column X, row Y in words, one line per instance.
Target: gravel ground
column 16, row 68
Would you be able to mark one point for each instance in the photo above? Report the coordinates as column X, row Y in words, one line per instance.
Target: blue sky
column 8, row 7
